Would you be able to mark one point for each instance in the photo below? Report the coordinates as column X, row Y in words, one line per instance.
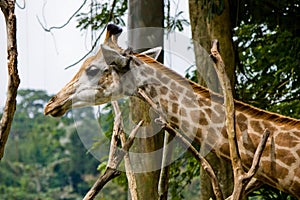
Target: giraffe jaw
column 62, row 102
column 57, row 108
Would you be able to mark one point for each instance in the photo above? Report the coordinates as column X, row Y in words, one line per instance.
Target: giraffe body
column 202, row 113
column 199, row 113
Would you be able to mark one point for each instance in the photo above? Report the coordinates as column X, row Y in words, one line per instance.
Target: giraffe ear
column 111, row 56
column 153, row 53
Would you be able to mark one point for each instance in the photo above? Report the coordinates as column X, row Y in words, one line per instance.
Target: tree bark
column 145, row 20
column 206, row 26
column 8, row 9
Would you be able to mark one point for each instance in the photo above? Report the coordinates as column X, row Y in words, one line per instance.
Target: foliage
column 102, row 13
column 276, row 14
column 268, row 71
column 270, row 59
column 45, row 158
column 268, row 193
column 182, row 174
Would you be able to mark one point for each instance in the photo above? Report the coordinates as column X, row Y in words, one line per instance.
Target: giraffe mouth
column 57, row 108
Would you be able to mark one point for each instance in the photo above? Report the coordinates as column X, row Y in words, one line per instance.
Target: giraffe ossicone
column 193, row 109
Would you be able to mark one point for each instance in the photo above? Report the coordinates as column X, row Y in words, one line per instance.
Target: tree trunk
column 143, row 14
column 210, row 22
column 8, row 9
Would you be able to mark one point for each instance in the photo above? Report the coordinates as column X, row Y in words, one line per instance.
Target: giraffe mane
column 206, row 93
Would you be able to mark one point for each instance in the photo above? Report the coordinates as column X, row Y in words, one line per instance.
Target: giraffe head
column 99, row 80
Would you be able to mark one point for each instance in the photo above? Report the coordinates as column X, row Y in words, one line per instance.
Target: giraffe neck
column 200, row 115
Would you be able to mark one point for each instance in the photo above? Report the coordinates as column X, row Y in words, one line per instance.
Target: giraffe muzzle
column 56, row 107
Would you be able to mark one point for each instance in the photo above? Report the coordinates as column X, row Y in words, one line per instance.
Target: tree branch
column 116, row 156
column 110, row 16
column 164, row 171
column 241, row 178
column 65, row 24
column 185, row 143
column 129, row 173
column 8, row 7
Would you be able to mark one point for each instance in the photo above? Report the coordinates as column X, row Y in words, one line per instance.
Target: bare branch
column 111, row 170
column 241, row 178
column 257, row 155
column 164, row 172
column 229, row 105
column 183, row 141
column 204, row 163
column 129, row 173
column 98, row 38
column 8, row 7
column 23, row 6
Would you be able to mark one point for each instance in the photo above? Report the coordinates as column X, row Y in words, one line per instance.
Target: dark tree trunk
column 143, row 14
column 207, row 26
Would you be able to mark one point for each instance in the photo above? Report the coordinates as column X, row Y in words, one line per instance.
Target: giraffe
column 114, row 73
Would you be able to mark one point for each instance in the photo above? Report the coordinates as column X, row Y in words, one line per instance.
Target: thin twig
column 98, row 38
column 164, row 171
column 90, row 51
column 257, row 155
column 204, row 163
column 23, row 6
column 65, row 24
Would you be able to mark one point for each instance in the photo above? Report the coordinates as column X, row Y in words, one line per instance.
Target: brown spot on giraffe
column 182, row 112
column 164, row 103
column 245, row 159
column 177, row 88
column 174, row 120
column 224, row 149
column 149, row 71
column 164, row 79
column 224, row 132
column 286, row 140
column 277, row 171
column 208, row 112
column 153, row 92
column 269, row 126
column 256, row 125
column 173, row 96
column 242, row 122
column 164, row 90
column 197, row 131
column 175, row 108
column 187, row 103
column 197, row 116
column 285, row 156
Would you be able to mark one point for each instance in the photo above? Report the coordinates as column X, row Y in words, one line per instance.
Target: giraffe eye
column 92, row 70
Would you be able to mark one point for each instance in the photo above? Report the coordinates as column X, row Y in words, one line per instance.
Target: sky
column 43, row 56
